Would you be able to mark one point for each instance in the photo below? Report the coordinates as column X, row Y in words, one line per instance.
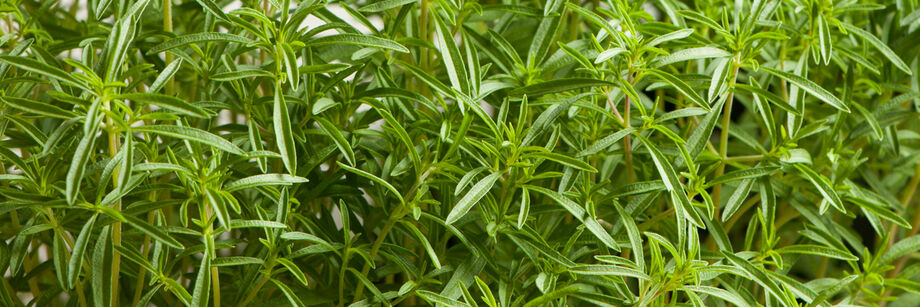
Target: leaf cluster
column 459, row 153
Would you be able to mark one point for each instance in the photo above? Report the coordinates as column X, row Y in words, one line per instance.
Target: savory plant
column 459, row 153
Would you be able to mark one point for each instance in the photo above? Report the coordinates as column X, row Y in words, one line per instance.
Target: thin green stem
column 723, row 140
column 114, row 144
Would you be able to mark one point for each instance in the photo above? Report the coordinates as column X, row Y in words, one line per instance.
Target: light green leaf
column 291, row 267
column 608, row 270
column 79, row 248
column 234, row 261
column 900, row 249
column 559, row 85
column 373, row 178
column 878, row 44
column 263, row 180
column 822, row 184
column 291, row 296
column 581, row 215
column 284, row 136
column 606, row 142
column 332, row 131
column 681, row 87
column 472, row 197
column 43, row 69
column 810, row 87
column 817, row 250
column 384, row 5
column 192, row 134
column 240, row 74
column 197, row 38
column 358, row 40
column 747, row 173
column 154, row 232
column 171, row 103
column 37, row 107
column 698, row 53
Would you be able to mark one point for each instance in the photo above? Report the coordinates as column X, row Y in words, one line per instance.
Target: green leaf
column 37, row 107
column 606, row 142
column 450, row 55
column 198, row 38
column 608, row 54
column 525, row 208
column 402, row 134
column 384, row 5
column 825, row 44
column 192, row 134
column 291, row 296
column 822, row 184
column 760, row 277
column 472, row 197
column 291, row 267
column 284, row 136
column 543, row 39
column 337, row 137
column 200, row 294
column 590, row 223
column 167, row 102
column 427, row 245
column 79, row 248
column 828, row 293
column 608, row 270
column 212, row 8
column 817, row 250
column 698, row 53
column 374, row 179
column 256, row 224
column 559, row 85
column 357, row 40
column 240, row 74
column 78, row 165
column 681, row 87
column 900, row 249
column 671, row 182
column 876, row 208
column 263, row 180
column 43, row 69
column 737, row 198
column 810, row 87
column 154, row 232
column 759, row 92
column 167, row 73
column 439, row 300
column 734, row 298
column 878, row 44
column 678, row 34
column 594, row 18
column 542, row 153
column 300, row 236
column 234, row 261
column 904, row 284
column 741, row 174
column 632, row 231
column 135, row 257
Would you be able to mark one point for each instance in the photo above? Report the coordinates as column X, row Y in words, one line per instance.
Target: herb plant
column 459, row 153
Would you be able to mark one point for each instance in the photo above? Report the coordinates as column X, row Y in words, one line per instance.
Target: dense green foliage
column 459, row 153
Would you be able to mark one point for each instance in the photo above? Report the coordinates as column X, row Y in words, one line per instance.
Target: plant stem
column 723, row 141
column 627, row 143
column 254, row 290
column 114, row 144
column 906, row 199
column 168, row 27
column 400, row 212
